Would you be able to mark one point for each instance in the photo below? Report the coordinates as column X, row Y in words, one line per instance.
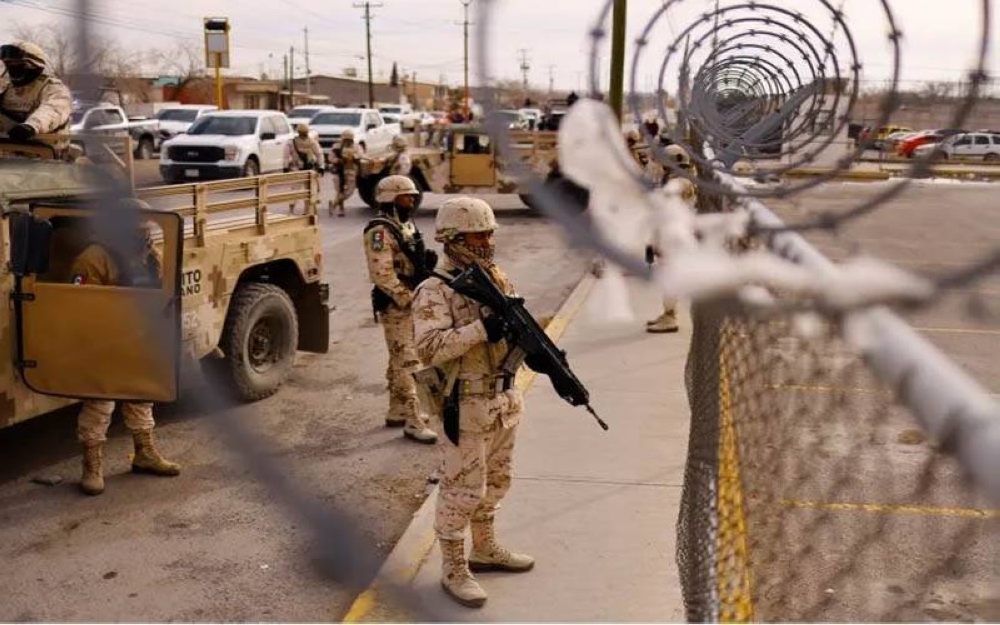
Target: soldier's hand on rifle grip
column 496, row 328
column 430, row 260
column 22, row 132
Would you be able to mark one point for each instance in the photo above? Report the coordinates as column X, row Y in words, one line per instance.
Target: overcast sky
column 425, row 36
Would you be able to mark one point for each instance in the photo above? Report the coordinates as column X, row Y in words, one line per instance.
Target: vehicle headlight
column 232, row 153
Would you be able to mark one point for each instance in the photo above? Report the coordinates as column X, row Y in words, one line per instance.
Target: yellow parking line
column 826, row 389
column 958, row 331
column 972, row 513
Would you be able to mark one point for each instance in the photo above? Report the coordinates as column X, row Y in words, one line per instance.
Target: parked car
column 301, row 114
column 891, row 142
column 402, row 114
column 906, row 147
column 370, row 130
column 227, row 144
column 534, row 117
column 108, row 119
column 880, row 135
column 515, row 119
column 970, row 145
column 175, row 120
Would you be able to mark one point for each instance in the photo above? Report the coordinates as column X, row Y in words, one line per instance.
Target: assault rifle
column 529, row 343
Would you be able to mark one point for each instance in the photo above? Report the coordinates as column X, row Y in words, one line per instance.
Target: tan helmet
column 678, row 155
column 743, row 167
column 399, row 143
column 633, row 136
column 25, row 51
column 348, row 135
column 392, row 186
column 303, row 129
column 463, row 215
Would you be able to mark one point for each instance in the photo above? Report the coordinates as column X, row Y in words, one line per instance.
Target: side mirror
column 268, row 136
column 371, row 126
column 29, row 244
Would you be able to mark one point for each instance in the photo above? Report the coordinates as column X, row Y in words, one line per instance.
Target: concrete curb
column 406, row 558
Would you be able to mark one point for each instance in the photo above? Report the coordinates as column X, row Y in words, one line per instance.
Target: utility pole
column 525, row 68
column 465, row 25
column 552, row 79
column 291, row 76
column 367, row 6
column 617, row 94
column 288, row 83
column 308, row 72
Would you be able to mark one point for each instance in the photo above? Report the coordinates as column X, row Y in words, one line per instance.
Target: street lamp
column 217, row 51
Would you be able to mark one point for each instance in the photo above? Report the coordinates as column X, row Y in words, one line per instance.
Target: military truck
column 241, row 288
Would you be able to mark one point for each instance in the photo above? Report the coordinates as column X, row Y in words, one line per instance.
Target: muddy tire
column 259, row 342
column 251, row 168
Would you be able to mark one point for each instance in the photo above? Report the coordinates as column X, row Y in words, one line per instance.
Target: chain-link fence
column 813, row 493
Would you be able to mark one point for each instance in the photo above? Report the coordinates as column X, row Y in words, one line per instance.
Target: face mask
column 22, row 74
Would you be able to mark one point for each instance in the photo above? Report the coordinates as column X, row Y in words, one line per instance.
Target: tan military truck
column 240, row 291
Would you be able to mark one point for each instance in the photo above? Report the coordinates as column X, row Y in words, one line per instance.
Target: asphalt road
column 214, row 544
column 864, row 520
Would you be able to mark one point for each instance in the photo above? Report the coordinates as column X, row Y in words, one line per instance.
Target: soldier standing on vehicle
column 99, row 265
column 467, row 340
column 401, row 164
column 345, row 161
column 303, row 153
column 32, row 101
column 676, row 185
column 397, row 263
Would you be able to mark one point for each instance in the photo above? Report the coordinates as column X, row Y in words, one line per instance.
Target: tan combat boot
column 148, row 460
column 92, row 481
column 420, row 434
column 456, row 579
column 488, row 555
column 667, row 323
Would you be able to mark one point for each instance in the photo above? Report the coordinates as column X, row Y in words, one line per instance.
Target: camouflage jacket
column 448, row 327
column 44, row 104
column 300, row 147
column 401, row 164
column 387, row 262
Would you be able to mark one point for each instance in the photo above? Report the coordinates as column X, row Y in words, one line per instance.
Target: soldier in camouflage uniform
column 397, row 261
column 32, row 101
column 401, row 164
column 675, row 185
column 303, row 153
column 345, row 161
column 98, row 265
column 466, row 340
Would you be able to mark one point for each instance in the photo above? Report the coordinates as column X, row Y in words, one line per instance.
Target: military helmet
column 348, row 134
column 399, row 142
column 678, row 155
column 463, row 215
column 633, row 136
column 743, row 167
column 303, row 129
column 26, row 52
column 392, row 186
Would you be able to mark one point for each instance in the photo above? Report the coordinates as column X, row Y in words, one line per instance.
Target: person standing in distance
column 397, row 262
column 452, row 332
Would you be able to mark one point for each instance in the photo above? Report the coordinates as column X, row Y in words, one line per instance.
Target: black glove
column 430, row 259
column 496, row 328
column 22, row 132
column 319, row 169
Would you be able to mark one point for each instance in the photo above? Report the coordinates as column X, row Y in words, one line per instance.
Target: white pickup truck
column 108, row 119
column 370, row 130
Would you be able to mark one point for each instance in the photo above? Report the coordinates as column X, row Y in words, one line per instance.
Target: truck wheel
column 144, row 151
column 259, row 341
column 527, row 200
column 366, row 189
column 252, row 168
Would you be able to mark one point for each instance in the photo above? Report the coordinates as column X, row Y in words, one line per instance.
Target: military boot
column 456, row 579
column 92, row 481
column 488, row 555
column 148, row 460
column 420, row 434
column 667, row 323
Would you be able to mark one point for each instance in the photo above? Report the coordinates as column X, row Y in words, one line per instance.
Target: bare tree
column 107, row 58
column 185, row 63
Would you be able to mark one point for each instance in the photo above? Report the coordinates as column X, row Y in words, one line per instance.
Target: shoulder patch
column 378, row 240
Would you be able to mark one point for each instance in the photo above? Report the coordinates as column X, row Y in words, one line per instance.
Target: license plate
column 191, row 173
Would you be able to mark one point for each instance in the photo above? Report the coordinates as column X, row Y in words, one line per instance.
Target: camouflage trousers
column 346, row 185
column 403, row 362
column 476, row 475
column 95, row 418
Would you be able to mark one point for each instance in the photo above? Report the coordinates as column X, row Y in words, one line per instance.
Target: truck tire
column 251, row 168
column 259, row 341
column 144, row 150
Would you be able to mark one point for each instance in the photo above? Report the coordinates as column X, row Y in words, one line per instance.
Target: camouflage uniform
column 97, row 266
column 303, row 153
column 345, row 162
column 44, row 103
column 402, row 164
column 389, row 269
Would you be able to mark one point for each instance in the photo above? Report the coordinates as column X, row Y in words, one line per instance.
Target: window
column 267, row 125
column 224, row 125
column 996, row 139
column 303, row 112
column 372, row 119
column 982, row 140
column 337, row 119
column 280, row 126
column 963, row 141
column 177, row 115
column 113, row 116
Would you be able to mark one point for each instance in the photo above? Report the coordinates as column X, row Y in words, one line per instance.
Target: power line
column 367, row 6
column 525, row 68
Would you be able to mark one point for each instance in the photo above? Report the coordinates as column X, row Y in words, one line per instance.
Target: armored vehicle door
column 81, row 333
column 473, row 161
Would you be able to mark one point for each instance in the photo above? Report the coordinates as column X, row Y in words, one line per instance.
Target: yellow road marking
column 972, row 513
column 367, row 600
column 826, row 389
column 958, row 331
column 736, row 597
